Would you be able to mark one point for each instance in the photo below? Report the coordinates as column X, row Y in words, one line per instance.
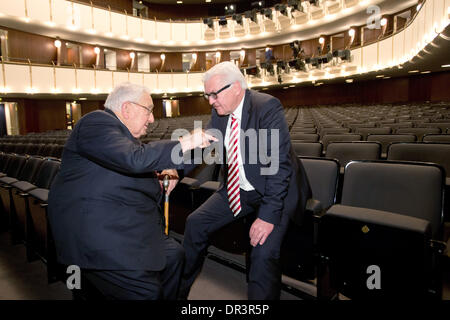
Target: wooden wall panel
column 123, row 59
column 117, row 5
column 439, row 87
column 38, row 49
column 174, row 62
column 89, row 106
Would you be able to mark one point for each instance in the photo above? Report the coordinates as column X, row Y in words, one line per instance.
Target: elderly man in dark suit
column 104, row 204
column 275, row 186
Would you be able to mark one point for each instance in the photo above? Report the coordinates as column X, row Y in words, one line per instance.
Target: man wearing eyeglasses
column 274, row 198
column 104, row 204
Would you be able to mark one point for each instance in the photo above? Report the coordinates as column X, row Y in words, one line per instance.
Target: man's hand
column 173, row 176
column 197, row 138
column 259, row 232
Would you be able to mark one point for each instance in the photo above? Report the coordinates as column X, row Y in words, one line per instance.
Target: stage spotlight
column 315, row 62
column 251, row 15
column 209, row 22
column 267, row 13
column 326, row 58
column 252, row 71
column 295, row 5
column 223, row 21
column 238, row 19
column 343, row 54
column 258, row 4
column 282, row 9
column 269, row 68
column 296, row 48
column 298, row 64
column 230, row 9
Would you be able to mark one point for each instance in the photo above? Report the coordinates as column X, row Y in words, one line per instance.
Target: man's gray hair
column 228, row 72
column 124, row 92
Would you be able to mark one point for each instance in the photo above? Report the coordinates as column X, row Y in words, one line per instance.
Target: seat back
column 30, row 169
column 326, row 139
column 16, row 165
column 444, row 138
column 386, row 139
column 418, row 132
column 358, row 150
column 425, row 152
column 311, row 137
column 411, row 189
column 307, row 149
column 323, row 175
column 47, row 173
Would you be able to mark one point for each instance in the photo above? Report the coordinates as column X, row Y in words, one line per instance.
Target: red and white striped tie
column 234, row 198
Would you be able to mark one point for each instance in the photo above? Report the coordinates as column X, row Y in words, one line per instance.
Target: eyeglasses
column 214, row 94
column 149, row 110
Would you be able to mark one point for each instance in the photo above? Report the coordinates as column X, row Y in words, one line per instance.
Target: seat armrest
column 380, row 217
column 210, row 185
column 313, row 205
column 191, row 182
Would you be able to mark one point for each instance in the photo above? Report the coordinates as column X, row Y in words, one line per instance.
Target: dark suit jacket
column 288, row 189
column 104, row 204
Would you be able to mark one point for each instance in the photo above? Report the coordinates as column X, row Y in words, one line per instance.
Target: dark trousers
column 138, row 284
column 265, row 272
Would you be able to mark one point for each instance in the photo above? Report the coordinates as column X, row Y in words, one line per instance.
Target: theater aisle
column 21, row 280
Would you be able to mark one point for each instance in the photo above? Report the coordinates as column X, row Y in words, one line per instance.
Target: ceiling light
column 445, row 66
column 97, row 50
column 179, row 2
column 132, row 55
column 425, row 72
column 207, row 0
column 321, row 40
column 413, row 71
column 351, row 32
column 82, row 99
column 380, row 76
column 383, row 22
column 57, row 43
column 349, row 80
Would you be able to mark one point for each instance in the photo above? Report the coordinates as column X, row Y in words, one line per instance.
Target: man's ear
column 237, row 87
column 125, row 110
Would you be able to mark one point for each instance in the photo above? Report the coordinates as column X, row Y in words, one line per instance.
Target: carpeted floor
column 21, row 280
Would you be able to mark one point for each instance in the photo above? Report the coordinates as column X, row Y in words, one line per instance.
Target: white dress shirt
column 243, row 182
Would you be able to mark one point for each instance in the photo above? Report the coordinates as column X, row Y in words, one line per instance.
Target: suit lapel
column 246, row 109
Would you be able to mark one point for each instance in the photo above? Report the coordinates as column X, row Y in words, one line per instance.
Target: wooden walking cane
column 166, row 202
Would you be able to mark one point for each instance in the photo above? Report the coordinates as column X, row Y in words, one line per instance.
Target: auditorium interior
column 366, row 96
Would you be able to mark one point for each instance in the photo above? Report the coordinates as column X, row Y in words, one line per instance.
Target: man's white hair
column 228, row 72
column 124, row 92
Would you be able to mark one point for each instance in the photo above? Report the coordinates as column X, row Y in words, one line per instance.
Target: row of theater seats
column 45, row 150
column 378, row 150
column 24, row 185
column 389, row 215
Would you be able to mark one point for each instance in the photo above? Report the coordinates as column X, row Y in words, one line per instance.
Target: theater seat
column 384, row 240
column 298, row 251
column 357, row 150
